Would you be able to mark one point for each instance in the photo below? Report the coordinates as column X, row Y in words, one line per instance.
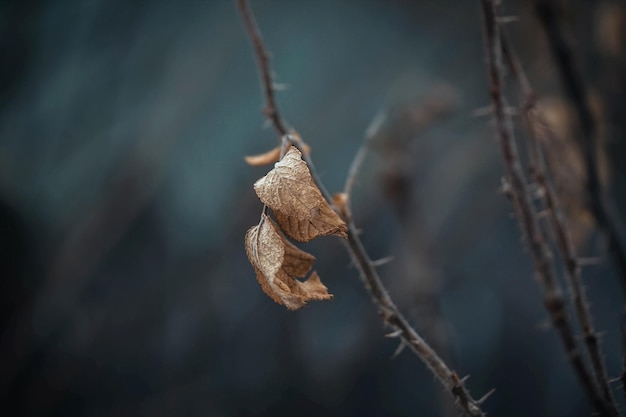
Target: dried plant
column 304, row 210
column 305, row 225
column 302, row 214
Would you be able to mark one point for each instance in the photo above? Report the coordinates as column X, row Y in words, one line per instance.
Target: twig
column 359, row 157
column 574, row 86
column 526, row 213
column 263, row 63
column 389, row 312
column 533, row 121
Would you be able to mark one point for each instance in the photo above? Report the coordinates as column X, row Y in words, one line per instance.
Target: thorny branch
column 368, row 273
column 534, row 123
column 526, row 213
column 263, row 63
column 396, row 147
column 359, row 157
column 575, row 88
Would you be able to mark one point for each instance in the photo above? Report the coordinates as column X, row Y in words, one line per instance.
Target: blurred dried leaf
column 300, row 209
column 566, row 163
column 610, row 26
column 277, row 263
column 340, row 200
column 266, row 158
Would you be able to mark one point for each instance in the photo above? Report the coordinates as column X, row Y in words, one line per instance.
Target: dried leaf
column 340, row 200
column 610, row 28
column 566, row 163
column 266, row 158
column 270, row 157
column 300, row 209
column 277, row 262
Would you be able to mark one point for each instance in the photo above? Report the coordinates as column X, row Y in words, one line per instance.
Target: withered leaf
column 340, row 200
column 300, row 209
column 266, row 158
column 277, row 262
column 269, row 157
column 566, row 162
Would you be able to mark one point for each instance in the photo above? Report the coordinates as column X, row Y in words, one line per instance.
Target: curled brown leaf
column 566, row 163
column 341, row 200
column 300, row 209
column 266, row 158
column 271, row 156
column 277, row 263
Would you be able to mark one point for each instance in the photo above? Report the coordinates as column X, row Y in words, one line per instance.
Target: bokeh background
column 124, row 198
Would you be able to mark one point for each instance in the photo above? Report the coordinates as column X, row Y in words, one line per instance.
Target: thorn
column 536, row 191
column 589, row 261
column 465, row 378
column 486, row 396
column 280, row 86
column 511, row 111
column 473, row 409
column 397, row 333
column 543, row 214
column 482, row 111
column 382, row 261
column 614, row 380
column 505, row 187
column 507, row 19
column 487, row 110
column 398, row 350
column 544, row 325
column 532, row 187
